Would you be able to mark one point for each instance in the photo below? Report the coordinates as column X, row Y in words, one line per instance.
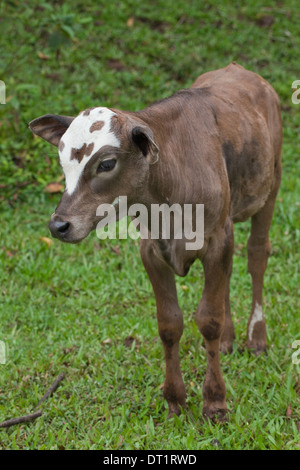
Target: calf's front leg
column 210, row 317
column 170, row 324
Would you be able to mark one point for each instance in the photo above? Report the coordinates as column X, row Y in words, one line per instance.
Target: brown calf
column 218, row 144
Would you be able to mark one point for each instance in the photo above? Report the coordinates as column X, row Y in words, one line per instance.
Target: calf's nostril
column 62, row 227
column 59, row 228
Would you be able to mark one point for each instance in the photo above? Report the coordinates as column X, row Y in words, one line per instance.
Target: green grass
column 87, row 310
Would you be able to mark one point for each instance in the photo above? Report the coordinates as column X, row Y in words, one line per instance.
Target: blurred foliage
column 62, row 57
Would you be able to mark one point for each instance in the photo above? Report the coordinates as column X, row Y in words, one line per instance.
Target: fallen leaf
column 289, row 411
column 115, row 64
column 130, row 22
column 47, row 159
column 265, row 21
column 129, row 340
column 26, row 378
column 116, row 249
column 54, row 188
column 107, row 341
column 43, row 56
column 47, row 240
column 60, row 178
column 9, row 254
column 120, row 442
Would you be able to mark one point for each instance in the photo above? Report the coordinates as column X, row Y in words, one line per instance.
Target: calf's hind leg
column 259, row 248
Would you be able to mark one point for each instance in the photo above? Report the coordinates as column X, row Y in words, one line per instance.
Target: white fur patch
column 256, row 317
column 79, row 134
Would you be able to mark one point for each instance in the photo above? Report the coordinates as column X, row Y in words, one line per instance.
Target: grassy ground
column 89, row 310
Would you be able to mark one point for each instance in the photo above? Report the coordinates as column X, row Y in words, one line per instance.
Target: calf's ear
column 51, row 127
column 144, row 139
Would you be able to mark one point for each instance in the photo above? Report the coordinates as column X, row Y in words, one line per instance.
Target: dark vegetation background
column 89, row 310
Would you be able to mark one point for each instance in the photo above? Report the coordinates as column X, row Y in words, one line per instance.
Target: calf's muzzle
column 59, row 228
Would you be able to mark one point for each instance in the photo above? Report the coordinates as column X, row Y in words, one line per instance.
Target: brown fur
column 97, row 126
column 78, row 154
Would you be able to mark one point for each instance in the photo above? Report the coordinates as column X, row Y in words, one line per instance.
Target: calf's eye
column 106, row 165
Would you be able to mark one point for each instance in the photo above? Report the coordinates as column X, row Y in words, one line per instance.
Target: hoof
column 226, row 347
column 227, row 339
column 215, row 414
column 257, row 349
column 258, row 352
column 257, row 338
column 175, row 409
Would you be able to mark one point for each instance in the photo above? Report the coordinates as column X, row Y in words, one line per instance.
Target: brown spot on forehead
column 87, row 111
column 61, row 146
column 97, row 126
column 117, row 125
column 89, row 149
column 78, row 154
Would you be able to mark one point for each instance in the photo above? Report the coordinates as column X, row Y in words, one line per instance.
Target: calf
column 217, row 143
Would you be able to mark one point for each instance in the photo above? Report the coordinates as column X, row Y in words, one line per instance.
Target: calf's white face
column 87, row 134
column 104, row 154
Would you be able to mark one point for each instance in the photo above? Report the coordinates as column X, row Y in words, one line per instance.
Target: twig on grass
column 20, row 419
column 51, row 389
column 36, row 414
